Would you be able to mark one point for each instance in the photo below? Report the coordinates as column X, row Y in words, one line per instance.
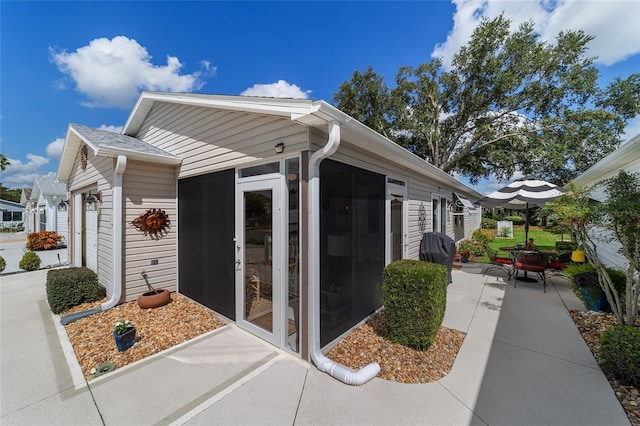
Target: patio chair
column 497, row 262
column 531, row 261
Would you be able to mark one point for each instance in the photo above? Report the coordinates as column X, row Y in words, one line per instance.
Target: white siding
column 147, row 186
column 209, row 140
column 97, row 176
column 625, row 158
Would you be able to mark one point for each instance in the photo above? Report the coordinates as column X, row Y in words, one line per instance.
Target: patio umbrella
column 521, row 194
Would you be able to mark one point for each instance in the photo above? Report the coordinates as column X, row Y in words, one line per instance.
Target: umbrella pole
column 526, row 226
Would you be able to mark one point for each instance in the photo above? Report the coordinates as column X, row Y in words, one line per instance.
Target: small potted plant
column 125, row 335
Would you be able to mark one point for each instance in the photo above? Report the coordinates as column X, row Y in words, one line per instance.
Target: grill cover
column 439, row 248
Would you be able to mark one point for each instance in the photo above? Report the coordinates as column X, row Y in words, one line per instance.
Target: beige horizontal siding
column 147, row 186
column 98, row 175
column 209, row 140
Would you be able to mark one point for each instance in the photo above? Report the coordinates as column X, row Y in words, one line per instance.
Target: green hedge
column 488, row 223
column 414, row 295
column 620, row 353
column 67, row 288
column 517, row 220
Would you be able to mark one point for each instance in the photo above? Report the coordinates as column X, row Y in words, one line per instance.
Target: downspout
column 116, row 219
column 338, row 371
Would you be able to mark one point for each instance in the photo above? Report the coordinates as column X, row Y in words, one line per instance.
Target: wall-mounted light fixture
column 279, row 148
column 62, row 207
column 91, row 202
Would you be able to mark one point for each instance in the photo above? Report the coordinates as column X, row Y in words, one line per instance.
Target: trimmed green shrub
column 69, row 287
column 487, row 223
column 517, row 220
column 30, row 261
column 620, row 353
column 474, row 247
column 484, row 235
column 414, row 295
column 3, row 264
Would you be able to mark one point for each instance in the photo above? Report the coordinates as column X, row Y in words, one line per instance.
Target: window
column 262, row 169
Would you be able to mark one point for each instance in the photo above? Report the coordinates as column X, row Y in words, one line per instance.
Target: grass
column 543, row 238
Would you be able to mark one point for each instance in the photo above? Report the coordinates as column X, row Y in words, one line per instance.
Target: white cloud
column 21, row 174
column 111, row 128
column 54, row 149
column 632, row 130
column 616, row 34
column 280, row 89
column 111, row 72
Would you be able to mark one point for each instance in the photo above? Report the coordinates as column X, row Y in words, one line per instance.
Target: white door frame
column 279, row 281
column 400, row 191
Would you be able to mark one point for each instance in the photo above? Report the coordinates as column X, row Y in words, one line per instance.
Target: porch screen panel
column 352, row 247
column 206, row 223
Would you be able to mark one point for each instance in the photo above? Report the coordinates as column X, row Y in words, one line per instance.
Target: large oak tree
column 510, row 101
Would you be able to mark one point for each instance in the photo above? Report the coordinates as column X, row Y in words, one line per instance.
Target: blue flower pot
column 126, row 340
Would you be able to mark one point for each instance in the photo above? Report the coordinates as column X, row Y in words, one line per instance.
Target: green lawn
column 544, row 239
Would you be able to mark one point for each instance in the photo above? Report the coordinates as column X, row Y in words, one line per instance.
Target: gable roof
column 316, row 114
column 108, row 144
column 46, row 187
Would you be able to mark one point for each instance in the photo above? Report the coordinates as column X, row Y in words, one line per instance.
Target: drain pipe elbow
column 338, row 371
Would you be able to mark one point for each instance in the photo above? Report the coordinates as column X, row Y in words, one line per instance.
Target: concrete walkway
column 522, row 362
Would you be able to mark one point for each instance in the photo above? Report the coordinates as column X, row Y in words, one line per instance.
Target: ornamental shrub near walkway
column 414, row 295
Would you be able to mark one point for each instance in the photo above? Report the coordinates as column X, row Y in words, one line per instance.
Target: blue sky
column 86, row 62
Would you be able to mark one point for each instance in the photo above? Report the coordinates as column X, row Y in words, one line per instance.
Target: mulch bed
column 591, row 325
column 157, row 329
column 398, row 363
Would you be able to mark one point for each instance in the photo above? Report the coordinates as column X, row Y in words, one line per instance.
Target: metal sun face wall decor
column 154, row 222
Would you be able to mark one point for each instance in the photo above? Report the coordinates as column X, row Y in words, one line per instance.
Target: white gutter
column 116, row 218
column 338, row 371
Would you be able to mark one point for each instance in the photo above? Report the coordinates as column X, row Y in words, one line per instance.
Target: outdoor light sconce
column 91, row 202
column 279, row 148
column 62, row 207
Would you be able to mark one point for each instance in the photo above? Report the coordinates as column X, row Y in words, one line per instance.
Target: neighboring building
column 47, row 208
column 283, row 212
column 12, row 214
column 25, row 196
column 626, row 157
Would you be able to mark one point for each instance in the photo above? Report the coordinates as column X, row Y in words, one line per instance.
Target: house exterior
column 283, row 212
column 626, row 157
column 12, row 214
column 47, row 208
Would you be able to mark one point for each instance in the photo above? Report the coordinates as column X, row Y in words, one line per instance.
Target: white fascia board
column 139, row 156
column 393, row 150
column 257, row 105
column 72, row 143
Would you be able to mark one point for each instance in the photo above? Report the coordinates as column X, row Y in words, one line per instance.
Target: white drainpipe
column 116, row 219
column 338, row 371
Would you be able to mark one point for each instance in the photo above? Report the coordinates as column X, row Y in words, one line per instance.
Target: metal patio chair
column 530, row 261
column 498, row 262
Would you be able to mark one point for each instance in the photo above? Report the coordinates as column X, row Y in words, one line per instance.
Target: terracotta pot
column 456, row 257
column 153, row 299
